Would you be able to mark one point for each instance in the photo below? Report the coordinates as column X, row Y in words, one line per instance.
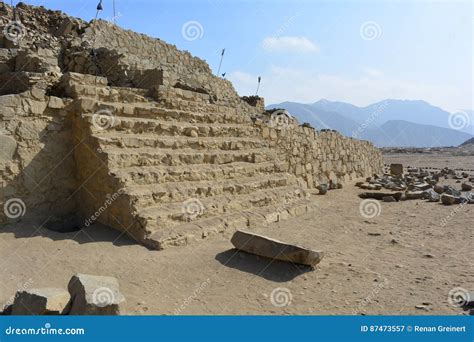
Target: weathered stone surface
column 274, row 249
column 154, row 120
column 46, row 301
column 431, row 195
column 422, row 186
column 448, row 199
column 8, row 148
column 466, row 187
column 7, row 310
column 389, row 199
column 380, row 195
column 414, row 195
column 449, row 190
column 323, row 189
column 94, row 295
column 396, row 169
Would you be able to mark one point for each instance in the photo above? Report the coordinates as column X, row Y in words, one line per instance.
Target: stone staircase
column 183, row 174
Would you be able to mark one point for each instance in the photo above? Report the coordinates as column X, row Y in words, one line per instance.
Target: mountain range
column 388, row 123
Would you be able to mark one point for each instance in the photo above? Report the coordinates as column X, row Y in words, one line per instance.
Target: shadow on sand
column 269, row 269
column 94, row 233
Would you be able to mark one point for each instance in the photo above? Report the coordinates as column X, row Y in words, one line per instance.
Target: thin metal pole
column 258, row 85
column 220, row 64
column 114, row 11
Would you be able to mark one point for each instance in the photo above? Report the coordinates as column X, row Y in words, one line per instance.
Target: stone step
column 179, row 142
column 143, row 175
column 168, row 128
column 168, row 214
column 154, row 194
column 155, row 111
column 126, row 157
column 108, row 94
column 186, row 233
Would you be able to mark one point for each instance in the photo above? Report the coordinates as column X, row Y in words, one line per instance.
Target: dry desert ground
column 405, row 261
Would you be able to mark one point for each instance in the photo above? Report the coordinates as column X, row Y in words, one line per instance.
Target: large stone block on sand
column 396, row 169
column 274, row 249
column 47, row 301
column 94, row 295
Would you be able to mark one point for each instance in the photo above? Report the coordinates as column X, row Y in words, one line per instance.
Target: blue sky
column 355, row 51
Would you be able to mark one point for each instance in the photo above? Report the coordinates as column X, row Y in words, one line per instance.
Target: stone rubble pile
column 86, row 295
column 419, row 184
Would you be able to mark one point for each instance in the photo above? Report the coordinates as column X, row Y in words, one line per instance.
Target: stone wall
column 320, row 157
column 36, row 164
column 131, row 53
column 59, row 165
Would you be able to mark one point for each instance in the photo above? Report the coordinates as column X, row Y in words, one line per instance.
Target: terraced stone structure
column 102, row 124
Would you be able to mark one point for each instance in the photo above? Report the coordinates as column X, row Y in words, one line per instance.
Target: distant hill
column 381, row 122
column 399, row 133
column 318, row 118
column 407, row 110
column 468, row 142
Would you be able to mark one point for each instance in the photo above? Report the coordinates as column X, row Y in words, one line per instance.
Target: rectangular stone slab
column 380, row 195
column 274, row 249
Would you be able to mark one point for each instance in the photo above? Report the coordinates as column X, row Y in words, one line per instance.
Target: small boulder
column 448, row 199
column 466, row 187
column 46, row 301
column 414, row 195
column 323, row 189
column 7, row 310
column 94, row 295
column 192, row 132
column 431, row 195
column 449, row 190
column 438, row 189
column 396, row 169
column 422, row 186
column 389, row 199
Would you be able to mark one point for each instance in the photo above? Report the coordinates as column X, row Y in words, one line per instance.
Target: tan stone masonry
column 155, row 146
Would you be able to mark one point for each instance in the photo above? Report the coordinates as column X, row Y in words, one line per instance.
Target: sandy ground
column 404, row 261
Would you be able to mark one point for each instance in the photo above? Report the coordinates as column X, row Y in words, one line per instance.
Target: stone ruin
column 100, row 124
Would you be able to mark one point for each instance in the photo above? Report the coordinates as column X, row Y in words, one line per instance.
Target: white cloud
column 289, row 44
column 288, row 84
column 372, row 72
